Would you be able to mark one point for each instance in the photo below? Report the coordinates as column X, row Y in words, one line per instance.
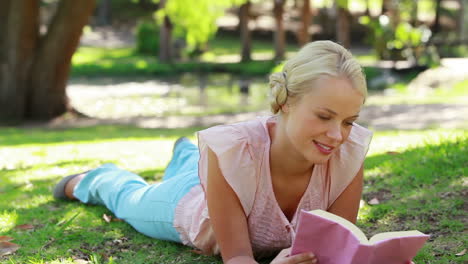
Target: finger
column 285, row 252
column 313, row 261
column 302, row 258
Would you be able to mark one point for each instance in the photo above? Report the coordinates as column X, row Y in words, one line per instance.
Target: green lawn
column 222, row 55
column 96, row 61
column 419, row 177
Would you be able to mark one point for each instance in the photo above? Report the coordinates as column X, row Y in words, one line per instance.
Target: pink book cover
column 334, row 240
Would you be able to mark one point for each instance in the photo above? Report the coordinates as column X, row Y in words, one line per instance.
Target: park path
column 386, row 117
column 376, row 116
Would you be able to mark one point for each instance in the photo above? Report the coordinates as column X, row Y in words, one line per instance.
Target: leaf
column 374, row 201
column 8, row 248
column 25, row 227
column 107, row 218
column 393, row 152
column 5, row 238
column 461, row 253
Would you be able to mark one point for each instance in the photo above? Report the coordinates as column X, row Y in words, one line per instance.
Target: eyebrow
column 334, row 113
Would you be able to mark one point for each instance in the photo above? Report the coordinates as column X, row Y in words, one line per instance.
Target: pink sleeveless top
column 242, row 150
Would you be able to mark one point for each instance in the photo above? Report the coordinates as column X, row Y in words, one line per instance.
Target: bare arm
column 230, row 223
column 227, row 217
column 347, row 204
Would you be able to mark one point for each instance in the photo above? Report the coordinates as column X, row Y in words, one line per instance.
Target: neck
column 285, row 161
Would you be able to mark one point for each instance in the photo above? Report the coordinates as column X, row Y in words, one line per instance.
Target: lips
column 324, row 149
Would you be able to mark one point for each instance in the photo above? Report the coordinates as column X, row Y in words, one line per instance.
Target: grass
column 222, row 56
column 96, row 61
column 92, row 61
column 420, row 178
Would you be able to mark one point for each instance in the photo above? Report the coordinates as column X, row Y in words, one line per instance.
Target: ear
column 285, row 108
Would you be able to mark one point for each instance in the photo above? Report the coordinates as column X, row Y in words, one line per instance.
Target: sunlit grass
column 96, row 54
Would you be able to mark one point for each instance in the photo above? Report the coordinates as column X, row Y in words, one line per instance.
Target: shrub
column 147, row 35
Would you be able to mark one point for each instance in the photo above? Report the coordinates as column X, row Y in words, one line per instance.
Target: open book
column 335, row 240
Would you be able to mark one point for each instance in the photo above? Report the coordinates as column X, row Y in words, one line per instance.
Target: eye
column 323, row 117
column 348, row 123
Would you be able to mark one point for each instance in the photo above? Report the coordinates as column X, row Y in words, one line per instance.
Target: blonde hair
column 314, row 60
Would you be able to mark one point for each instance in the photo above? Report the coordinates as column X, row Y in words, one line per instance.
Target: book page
column 387, row 235
column 347, row 224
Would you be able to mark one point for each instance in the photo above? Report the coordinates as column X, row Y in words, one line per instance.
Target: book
column 335, row 240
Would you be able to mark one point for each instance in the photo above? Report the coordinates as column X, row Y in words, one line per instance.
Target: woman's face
column 321, row 120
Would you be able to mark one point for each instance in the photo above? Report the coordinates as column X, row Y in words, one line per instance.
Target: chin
column 319, row 158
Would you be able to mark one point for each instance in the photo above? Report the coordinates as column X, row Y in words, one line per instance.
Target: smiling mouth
column 323, row 148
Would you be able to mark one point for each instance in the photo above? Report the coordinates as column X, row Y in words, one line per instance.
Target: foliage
column 195, row 20
column 403, row 41
column 419, row 187
column 147, row 38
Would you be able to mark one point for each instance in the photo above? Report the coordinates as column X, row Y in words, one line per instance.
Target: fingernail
column 314, row 260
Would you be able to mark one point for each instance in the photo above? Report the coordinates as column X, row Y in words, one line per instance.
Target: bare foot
column 70, row 186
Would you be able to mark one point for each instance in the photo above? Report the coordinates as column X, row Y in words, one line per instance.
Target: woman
column 240, row 191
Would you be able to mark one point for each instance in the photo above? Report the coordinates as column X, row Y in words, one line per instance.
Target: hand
column 304, row 258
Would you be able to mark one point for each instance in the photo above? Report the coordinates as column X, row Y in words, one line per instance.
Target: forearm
column 241, row 260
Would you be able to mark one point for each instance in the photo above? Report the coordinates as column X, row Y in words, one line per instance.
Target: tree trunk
column 463, row 20
column 367, row 12
column 279, row 35
column 414, row 13
column 34, row 71
column 51, row 68
column 342, row 23
column 19, row 23
column 104, row 13
column 385, row 6
column 246, row 39
column 436, row 25
column 306, row 17
column 165, row 52
column 394, row 13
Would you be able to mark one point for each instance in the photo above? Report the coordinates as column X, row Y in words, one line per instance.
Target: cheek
column 345, row 133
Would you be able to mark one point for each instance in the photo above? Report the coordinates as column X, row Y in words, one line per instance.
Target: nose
column 334, row 132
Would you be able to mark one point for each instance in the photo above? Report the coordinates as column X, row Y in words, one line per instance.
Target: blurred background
column 88, row 82
column 168, row 63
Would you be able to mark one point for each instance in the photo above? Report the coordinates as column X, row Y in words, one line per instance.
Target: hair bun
column 278, row 91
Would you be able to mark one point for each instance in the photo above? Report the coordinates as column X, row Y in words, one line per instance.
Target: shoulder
column 238, row 149
column 252, row 132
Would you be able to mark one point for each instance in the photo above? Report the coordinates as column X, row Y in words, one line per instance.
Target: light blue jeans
column 148, row 208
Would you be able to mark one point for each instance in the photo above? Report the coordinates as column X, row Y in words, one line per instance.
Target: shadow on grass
column 70, row 229
column 20, row 136
column 422, row 188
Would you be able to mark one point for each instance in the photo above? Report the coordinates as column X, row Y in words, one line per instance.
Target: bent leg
column 185, row 159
